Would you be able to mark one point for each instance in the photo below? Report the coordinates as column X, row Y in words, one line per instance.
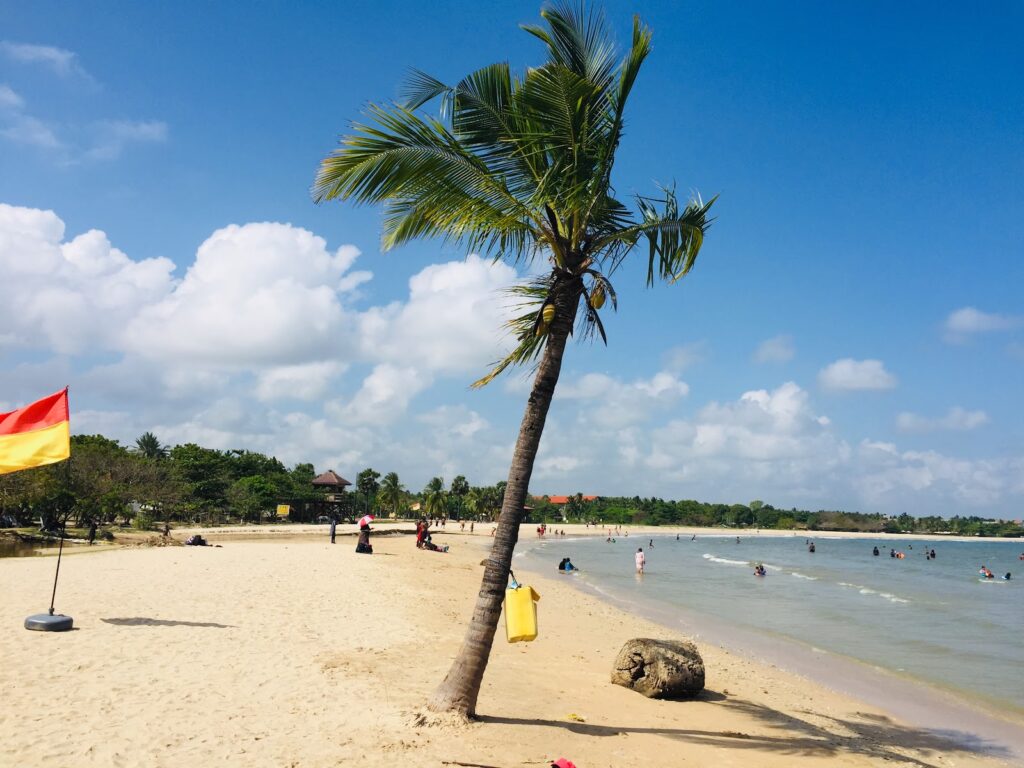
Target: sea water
column 934, row 621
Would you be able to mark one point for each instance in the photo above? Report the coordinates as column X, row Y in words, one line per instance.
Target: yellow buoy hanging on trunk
column 521, row 614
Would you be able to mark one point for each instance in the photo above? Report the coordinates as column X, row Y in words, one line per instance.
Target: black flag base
column 47, row 622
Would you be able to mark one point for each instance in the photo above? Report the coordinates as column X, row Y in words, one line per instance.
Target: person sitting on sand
column 431, row 546
column 640, row 560
column 566, row 565
column 363, row 547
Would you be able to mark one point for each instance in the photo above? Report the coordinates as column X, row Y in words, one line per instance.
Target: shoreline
column 279, row 651
column 938, row 709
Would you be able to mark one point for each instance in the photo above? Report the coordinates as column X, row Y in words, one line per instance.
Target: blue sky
column 853, row 334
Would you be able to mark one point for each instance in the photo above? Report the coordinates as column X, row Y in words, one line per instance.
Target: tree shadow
column 872, row 736
column 139, row 621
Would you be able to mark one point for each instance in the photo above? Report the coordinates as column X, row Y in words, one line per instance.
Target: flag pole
column 63, row 529
column 48, row 622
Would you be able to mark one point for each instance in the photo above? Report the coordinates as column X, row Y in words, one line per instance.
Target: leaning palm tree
column 519, row 166
column 391, row 494
column 149, row 446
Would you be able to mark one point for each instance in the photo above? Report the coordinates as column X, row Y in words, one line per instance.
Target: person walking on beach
column 334, row 528
column 471, row 524
column 92, row 531
column 640, row 560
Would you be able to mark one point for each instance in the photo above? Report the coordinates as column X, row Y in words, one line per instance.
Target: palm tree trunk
column 461, row 686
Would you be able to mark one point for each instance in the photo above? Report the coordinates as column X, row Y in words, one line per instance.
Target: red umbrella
column 365, row 520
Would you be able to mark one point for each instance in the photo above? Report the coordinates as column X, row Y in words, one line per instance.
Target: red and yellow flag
column 35, row 435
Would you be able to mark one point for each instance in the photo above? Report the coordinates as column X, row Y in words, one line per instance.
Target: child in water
column 640, row 560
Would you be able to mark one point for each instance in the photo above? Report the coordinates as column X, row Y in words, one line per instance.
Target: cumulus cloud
column 612, row 403
column 966, row 322
column 71, row 296
column 452, row 322
column 306, row 381
column 777, row 349
column 384, row 395
column 262, row 342
column 957, row 419
column 850, row 374
column 257, row 294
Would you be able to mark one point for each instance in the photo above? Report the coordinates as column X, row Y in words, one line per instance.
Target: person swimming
column 1008, row 576
column 984, row 571
column 875, row 551
column 759, row 570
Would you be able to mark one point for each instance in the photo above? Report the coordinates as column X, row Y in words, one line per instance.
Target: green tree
column 149, row 446
column 252, row 496
column 458, row 491
column 204, row 474
column 435, row 499
column 367, row 484
column 392, row 494
column 520, row 167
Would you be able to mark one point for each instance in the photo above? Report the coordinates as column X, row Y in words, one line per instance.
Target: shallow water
column 932, row 620
column 10, row 547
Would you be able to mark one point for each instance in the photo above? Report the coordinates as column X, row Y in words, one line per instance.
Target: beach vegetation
column 519, row 166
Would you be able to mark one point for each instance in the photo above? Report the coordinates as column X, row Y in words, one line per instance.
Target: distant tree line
column 141, row 485
column 619, row 510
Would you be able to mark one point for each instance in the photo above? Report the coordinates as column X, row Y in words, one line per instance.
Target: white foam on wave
column 868, row 591
column 724, row 560
column 803, row 576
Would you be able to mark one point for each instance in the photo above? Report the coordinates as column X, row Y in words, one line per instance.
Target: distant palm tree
column 391, row 493
column 435, row 499
column 473, row 502
column 519, row 166
column 149, row 446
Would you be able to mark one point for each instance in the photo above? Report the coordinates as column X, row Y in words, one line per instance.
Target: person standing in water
column 640, row 560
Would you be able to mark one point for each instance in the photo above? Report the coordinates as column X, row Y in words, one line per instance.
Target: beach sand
column 288, row 651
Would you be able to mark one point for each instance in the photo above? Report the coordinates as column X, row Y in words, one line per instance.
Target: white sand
column 293, row 652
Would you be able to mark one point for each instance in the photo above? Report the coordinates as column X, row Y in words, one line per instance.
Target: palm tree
column 519, row 166
column 435, row 499
column 149, row 446
column 392, row 494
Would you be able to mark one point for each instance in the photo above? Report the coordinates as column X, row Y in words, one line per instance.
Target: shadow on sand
column 870, row 735
column 140, row 621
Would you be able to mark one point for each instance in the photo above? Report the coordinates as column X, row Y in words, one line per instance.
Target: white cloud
column 384, row 395
column 307, row 381
column 69, row 296
column 9, row 99
column 256, row 295
column 243, row 349
column 25, row 129
column 968, row 321
column 849, row 374
column 58, row 60
column 777, row 349
column 452, row 322
column 682, row 357
column 456, row 420
column 615, row 404
column 110, row 137
column 957, row 419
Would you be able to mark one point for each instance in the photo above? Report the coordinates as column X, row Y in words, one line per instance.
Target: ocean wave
column 869, row 591
column 724, row 560
column 803, row 576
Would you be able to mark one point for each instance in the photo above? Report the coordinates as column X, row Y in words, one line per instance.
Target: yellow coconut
column 548, row 313
column 597, row 296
